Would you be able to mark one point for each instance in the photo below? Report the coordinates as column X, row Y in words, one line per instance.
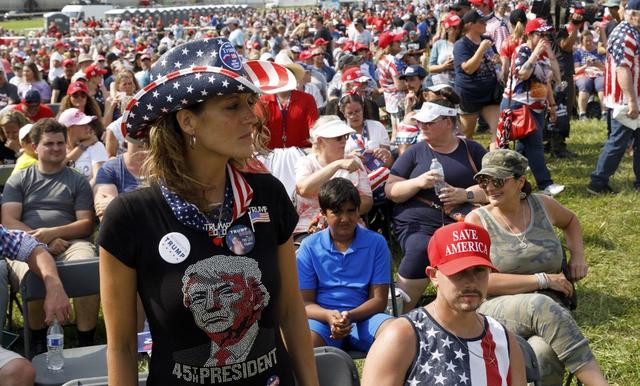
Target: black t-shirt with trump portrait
column 213, row 313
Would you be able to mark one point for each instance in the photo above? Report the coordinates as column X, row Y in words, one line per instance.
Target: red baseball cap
column 58, row 44
column 458, row 246
column 354, row 74
column 68, row 62
column 537, row 25
column 451, row 20
column 478, row 3
column 93, row 70
column 306, row 54
column 320, row 42
column 386, row 38
column 77, row 86
column 360, row 46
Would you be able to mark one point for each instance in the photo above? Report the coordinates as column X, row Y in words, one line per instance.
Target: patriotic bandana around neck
column 237, row 197
column 195, row 71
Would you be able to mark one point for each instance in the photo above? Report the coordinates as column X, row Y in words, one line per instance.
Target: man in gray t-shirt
column 54, row 204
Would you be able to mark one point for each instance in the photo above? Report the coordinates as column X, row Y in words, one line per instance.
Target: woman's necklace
column 523, row 241
column 492, row 360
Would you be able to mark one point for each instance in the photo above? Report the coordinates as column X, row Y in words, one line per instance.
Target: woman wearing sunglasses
column 419, row 210
column 530, row 84
column 529, row 256
column 327, row 160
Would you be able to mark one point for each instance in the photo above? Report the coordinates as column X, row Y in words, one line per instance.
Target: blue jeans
column 531, row 147
column 613, row 151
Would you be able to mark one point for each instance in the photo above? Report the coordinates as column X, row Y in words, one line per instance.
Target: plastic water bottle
column 437, row 168
column 55, row 345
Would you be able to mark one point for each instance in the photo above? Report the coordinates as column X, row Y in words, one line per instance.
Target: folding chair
column 530, row 362
column 79, row 278
column 5, row 173
column 335, row 367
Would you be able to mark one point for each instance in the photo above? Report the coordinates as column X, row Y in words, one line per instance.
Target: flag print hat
column 195, row 71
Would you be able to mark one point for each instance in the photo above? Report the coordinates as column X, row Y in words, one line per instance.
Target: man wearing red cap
column 389, row 77
column 55, row 61
column 455, row 344
column 61, row 83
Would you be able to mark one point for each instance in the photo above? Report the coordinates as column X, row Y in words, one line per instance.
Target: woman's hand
column 384, row 155
column 553, row 115
column 428, row 179
column 578, row 268
column 542, row 46
column 450, row 195
column 350, row 164
column 558, row 282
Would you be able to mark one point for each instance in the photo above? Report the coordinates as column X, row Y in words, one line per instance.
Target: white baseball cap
column 24, row 131
column 71, row 117
column 432, row 111
column 332, row 129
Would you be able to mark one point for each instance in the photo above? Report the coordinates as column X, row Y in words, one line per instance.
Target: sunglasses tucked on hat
column 503, row 163
column 459, row 246
column 25, row 131
column 354, row 74
column 197, row 70
column 77, row 86
column 72, row 117
column 332, row 129
column 537, row 25
column 414, row 70
column 429, row 112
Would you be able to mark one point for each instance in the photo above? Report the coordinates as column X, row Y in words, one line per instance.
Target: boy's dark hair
column 336, row 192
column 47, row 125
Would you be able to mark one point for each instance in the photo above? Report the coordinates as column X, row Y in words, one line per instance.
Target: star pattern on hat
column 215, row 69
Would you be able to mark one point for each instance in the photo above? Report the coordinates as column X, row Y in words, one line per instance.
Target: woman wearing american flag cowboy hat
column 218, row 313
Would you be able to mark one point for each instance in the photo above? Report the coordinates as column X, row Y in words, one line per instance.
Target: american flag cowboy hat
column 195, row 71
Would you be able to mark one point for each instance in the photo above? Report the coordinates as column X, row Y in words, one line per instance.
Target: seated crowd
column 356, row 136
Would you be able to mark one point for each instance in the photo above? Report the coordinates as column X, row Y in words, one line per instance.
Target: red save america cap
column 458, row 246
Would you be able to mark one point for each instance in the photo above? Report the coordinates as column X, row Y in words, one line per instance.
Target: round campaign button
column 240, row 239
column 174, row 248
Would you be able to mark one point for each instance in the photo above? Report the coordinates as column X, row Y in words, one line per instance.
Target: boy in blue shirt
column 344, row 273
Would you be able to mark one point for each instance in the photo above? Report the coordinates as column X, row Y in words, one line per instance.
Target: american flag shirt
column 443, row 359
column 17, row 245
column 623, row 50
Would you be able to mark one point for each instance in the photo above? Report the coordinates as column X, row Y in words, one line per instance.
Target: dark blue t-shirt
column 115, row 172
column 458, row 172
column 477, row 87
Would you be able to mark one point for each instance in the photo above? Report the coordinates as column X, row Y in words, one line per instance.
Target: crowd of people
column 232, row 169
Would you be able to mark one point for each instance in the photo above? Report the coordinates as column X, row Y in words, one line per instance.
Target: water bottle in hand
column 55, row 345
column 437, row 168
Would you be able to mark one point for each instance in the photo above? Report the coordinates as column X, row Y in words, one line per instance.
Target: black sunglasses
column 498, row 183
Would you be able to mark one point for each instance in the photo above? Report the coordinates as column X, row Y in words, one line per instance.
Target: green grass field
column 608, row 305
column 20, row 25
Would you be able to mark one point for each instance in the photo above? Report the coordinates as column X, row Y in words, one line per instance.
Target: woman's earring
column 523, row 195
column 193, row 141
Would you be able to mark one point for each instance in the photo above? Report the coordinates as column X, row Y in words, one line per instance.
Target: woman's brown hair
column 166, row 162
